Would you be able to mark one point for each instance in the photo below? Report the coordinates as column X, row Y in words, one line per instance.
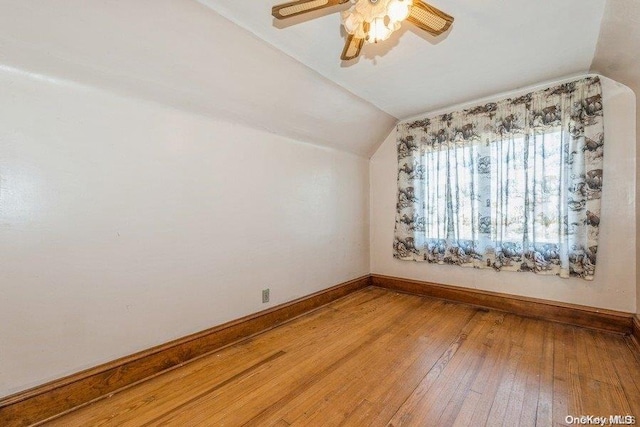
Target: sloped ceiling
column 183, row 54
column 229, row 59
column 492, row 47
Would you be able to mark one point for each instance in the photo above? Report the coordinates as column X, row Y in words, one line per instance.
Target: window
column 513, row 185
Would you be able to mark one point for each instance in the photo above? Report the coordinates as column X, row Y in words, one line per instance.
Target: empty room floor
column 377, row 357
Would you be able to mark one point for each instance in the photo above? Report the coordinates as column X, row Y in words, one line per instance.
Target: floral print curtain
column 513, row 185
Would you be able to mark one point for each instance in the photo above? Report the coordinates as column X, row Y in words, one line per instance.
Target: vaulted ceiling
column 493, row 46
column 229, row 59
column 183, row 54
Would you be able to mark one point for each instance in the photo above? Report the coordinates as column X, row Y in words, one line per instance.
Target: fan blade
column 428, row 18
column 351, row 48
column 294, row 8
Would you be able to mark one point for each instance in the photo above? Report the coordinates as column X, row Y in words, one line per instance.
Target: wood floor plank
column 471, row 401
column 235, row 404
column 359, row 415
column 500, row 402
column 627, row 369
column 473, row 361
column 561, row 390
column 353, row 375
column 313, row 395
column 356, row 374
column 412, row 368
column 378, row 357
column 166, row 392
column 492, row 372
column 457, row 365
column 544, row 408
column 524, row 409
column 362, row 376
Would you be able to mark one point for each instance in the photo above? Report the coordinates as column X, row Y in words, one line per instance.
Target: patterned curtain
column 513, row 185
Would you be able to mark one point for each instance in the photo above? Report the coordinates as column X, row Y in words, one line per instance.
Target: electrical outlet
column 265, row 295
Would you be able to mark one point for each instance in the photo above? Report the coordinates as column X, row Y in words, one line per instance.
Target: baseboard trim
column 42, row 402
column 573, row 314
column 45, row 401
column 635, row 332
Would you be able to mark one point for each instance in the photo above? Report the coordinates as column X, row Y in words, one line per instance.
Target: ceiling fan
column 371, row 21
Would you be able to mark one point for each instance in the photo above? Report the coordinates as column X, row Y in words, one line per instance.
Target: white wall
column 616, row 57
column 125, row 224
column 614, row 286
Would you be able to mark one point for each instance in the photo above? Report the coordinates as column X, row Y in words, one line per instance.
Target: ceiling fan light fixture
column 371, row 21
column 375, row 21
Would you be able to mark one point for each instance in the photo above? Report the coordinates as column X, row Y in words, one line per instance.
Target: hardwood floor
column 377, row 357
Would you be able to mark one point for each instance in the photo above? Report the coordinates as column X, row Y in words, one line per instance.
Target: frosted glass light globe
column 378, row 31
column 399, row 10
